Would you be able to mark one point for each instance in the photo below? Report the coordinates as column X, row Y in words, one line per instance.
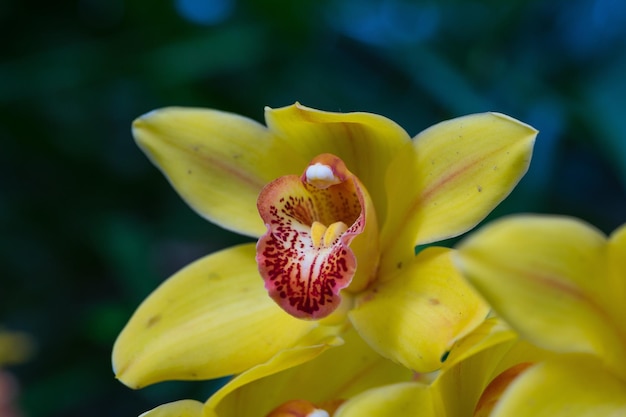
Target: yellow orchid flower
column 339, row 202
column 561, row 284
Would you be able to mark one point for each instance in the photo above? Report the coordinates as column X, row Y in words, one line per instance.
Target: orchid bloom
column 561, row 284
column 339, row 201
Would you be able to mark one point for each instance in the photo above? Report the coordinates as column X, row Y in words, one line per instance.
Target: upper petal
column 217, row 161
column 415, row 317
column 365, row 142
column 213, row 318
column 546, row 276
column 564, row 387
column 451, row 177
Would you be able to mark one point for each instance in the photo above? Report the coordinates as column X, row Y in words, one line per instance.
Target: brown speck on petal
column 153, row 320
column 434, row 301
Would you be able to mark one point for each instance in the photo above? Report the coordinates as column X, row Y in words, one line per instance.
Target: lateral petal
column 451, row 177
column 217, row 161
column 545, row 275
column 415, row 317
column 213, row 318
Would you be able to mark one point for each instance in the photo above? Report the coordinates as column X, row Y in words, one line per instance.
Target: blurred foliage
column 88, row 227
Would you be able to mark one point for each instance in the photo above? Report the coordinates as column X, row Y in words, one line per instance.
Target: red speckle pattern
column 303, row 279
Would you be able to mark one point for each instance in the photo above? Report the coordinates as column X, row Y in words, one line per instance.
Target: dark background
column 88, row 227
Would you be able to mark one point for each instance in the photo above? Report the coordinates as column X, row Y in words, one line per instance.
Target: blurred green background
column 88, row 227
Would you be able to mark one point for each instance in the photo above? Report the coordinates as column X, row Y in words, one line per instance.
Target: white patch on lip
column 318, row 413
column 320, row 172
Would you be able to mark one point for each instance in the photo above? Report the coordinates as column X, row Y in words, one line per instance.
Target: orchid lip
column 304, row 257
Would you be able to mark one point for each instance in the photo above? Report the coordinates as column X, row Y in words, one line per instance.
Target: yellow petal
column 365, row 142
column 182, row 408
column 227, row 401
column 567, row 387
column 218, row 162
column 616, row 272
column 460, row 386
column 493, row 392
column 415, row 317
column 545, row 275
column 211, row 319
column 337, row 374
column 478, row 358
column 454, row 174
column 491, row 332
column 404, row 399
